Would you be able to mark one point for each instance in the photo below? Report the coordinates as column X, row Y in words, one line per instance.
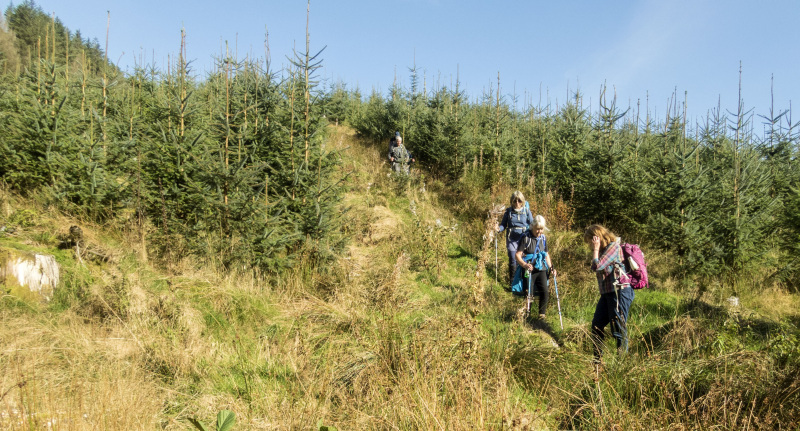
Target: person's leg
column 619, row 321
column 542, row 290
column 599, row 321
column 511, row 247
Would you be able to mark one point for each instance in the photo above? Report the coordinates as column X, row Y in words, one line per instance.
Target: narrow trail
column 386, row 224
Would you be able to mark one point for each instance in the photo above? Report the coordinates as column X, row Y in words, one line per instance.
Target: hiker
column 516, row 220
column 399, row 155
column 616, row 293
column 392, row 142
column 532, row 256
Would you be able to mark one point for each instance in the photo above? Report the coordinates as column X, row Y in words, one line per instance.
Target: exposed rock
column 28, row 275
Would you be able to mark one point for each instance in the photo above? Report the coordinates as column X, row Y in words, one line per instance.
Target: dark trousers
column 612, row 308
column 540, row 289
column 512, row 240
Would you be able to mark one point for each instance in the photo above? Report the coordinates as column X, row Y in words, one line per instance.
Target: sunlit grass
column 389, row 338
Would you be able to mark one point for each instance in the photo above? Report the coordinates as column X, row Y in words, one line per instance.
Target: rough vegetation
column 251, row 254
column 388, row 337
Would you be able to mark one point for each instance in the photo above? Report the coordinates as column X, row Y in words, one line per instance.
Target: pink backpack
column 635, row 265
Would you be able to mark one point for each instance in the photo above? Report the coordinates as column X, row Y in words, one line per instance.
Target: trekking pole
column 530, row 296
column 495, row 259
column 558, row 301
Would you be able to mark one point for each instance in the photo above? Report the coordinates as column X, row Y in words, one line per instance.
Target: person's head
column 398, row 139
column 597, row 230
column 539, row 225
column 517, row 199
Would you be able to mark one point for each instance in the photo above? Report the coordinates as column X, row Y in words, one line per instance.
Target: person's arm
column 502, row 226
column 550, row 262
column 600, row 263
column 521, row 262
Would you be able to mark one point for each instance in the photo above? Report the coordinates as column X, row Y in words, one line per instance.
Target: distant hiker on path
column 392, row 142
column 516, row 220
column 532, row 256
column 399, row 155
column 616, row 294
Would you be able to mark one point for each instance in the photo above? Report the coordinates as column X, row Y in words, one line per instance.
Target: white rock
column 26, row 273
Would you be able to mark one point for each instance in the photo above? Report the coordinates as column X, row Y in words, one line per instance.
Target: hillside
column 406, row 330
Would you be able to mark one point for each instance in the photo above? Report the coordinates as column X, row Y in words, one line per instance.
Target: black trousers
column 540, row 289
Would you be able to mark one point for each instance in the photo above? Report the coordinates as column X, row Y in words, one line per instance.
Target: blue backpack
column 539, row 260
column 527, row 211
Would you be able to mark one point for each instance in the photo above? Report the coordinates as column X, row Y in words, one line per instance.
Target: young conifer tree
column 677, row 206
column 317, row 179
column 600, row 192
column 740, row 190
column 569, row 138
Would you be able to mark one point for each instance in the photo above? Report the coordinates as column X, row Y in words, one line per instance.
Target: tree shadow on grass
column 699, row 323
column 794, row 320
column 461, row 252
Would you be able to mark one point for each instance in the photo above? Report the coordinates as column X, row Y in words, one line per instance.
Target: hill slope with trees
column 245, row 249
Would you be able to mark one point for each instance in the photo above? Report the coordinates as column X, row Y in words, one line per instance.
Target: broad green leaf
column 198, row 424
column 225, row 420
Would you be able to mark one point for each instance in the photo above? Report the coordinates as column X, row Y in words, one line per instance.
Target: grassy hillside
column 408, row 330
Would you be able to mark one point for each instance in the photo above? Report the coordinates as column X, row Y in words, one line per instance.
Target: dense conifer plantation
column 231, row 166
column 717, row 194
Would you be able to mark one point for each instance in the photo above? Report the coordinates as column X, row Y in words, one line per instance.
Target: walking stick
column 530, row 294
column 495, row 259
column 558, row 301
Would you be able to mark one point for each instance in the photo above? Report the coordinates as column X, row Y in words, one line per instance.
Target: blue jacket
column 516, row 221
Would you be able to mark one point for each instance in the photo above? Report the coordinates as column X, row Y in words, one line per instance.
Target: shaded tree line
column 27, row 35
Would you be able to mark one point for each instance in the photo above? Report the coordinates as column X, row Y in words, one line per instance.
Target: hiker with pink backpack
column 620, row 268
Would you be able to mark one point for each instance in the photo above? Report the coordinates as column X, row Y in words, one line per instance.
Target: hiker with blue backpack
column 516, row 220
column 535, row 265
column 616, row 293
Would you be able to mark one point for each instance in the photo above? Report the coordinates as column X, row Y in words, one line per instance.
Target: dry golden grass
column 73, row 377
column 775, row 301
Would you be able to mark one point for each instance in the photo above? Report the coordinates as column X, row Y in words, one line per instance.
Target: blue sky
column 543, row 50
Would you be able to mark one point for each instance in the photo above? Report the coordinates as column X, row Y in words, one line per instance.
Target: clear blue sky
column 552, row 48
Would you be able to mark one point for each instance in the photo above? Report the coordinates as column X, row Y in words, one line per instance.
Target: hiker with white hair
column 532, row 256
